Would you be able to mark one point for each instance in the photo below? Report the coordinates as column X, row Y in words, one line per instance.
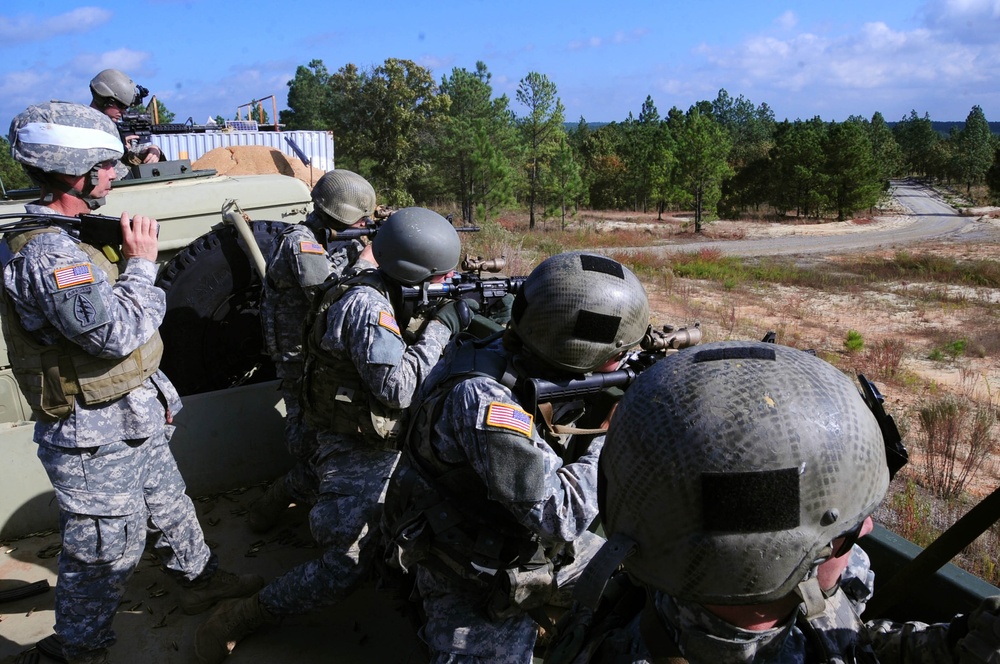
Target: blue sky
column 808, row 58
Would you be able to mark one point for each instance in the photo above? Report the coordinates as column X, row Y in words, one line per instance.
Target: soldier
column 484, row 507
column 302, row 257
column 113, row 93
column 85, row 350
column 360, row 374
column 736, row 479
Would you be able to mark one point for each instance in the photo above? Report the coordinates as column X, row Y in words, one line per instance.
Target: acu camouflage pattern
column 354, row 470
column 52, row 377
column 57, row 159
column 110, row 465
column 837, row 635
column 469, row 615
column 292, row 279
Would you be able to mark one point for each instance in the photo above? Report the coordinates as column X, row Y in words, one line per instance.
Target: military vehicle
column 229, row 443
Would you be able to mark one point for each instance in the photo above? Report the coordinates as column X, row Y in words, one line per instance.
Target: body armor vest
column 334, row 398
column 52, row 377
column 463, row 524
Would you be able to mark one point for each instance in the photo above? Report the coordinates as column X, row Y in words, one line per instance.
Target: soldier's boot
column 231, row 621
column 92, row 657
column 221, row 585
column 267, row 510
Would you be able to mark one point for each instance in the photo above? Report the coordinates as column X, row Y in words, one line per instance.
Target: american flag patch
column 510, row 417
column 307, row 247
column 386, row 320
column 74, row 275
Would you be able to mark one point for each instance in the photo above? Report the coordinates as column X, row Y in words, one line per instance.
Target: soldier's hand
column 456, row 314
column 139, row 237
column 982, row 644
column 151, row 154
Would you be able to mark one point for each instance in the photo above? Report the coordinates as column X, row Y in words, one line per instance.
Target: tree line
column 453, row 140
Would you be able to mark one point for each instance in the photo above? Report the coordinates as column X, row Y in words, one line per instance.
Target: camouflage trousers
column 458, row 631
column 344, row 521
column 301, row 481
column 110, row 497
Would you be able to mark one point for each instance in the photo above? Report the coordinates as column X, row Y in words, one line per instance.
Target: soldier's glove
column 982, row 644
column 456, row 314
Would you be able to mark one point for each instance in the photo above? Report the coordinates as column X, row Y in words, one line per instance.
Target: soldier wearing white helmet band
column 113, row 93
column 302, row 257
column 736, row 479
column 83, row 343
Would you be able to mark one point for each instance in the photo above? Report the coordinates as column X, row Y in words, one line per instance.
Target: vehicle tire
column 212, row 334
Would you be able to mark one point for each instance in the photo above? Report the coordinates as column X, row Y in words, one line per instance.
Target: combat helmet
column 113, row 85
column 414, row 244
column 732, row 466
column 343, row 197
column 577, row 310
column 62, row 138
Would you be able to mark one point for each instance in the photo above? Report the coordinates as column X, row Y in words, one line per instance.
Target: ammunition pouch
column 334, row 398
column 53, row 376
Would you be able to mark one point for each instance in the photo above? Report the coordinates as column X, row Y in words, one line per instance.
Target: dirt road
column 929, row 217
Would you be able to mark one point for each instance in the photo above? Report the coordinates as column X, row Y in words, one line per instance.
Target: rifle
column 99, row 230
column 494, row 296
column 370, row 228
column 655, row 345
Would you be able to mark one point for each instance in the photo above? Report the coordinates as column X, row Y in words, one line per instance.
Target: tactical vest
column 465, row 526
column 52, row 377
column 333, row 396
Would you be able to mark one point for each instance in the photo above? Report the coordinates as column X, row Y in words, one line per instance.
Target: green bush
column 854, row 341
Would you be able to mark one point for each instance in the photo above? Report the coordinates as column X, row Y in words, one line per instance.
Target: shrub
column 854, row 341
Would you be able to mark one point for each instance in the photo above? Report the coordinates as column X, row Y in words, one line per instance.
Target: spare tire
column 212, row 335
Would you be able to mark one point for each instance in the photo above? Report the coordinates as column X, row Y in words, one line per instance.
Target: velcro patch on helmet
column 735, row 353
column 73, row 275
column 591, row 263
column 512, row 418
column 307, row 247
column 599, row 328
column 753, row 502
column 388, row 321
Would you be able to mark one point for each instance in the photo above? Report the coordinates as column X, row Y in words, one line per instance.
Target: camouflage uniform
column 475, row 433
column 301, row 259
column 114, row 475
column 837, row 635
column 353, row 469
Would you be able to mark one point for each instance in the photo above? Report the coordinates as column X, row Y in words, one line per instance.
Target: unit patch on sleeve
column 388, row 321
column 510, row 417
column 74, row 275
column 307, row 247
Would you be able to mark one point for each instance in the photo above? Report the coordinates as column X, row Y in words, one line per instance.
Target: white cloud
column 619, row 37
column 969, row 20
column 26, row 28
column 876, row 68
column 787, row 21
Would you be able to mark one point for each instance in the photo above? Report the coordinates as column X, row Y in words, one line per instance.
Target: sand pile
column 256, row 160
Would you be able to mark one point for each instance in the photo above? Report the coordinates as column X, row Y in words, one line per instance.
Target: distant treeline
column 943, row 128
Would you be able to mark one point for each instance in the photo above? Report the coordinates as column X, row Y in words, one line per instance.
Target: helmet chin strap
column 91, row 180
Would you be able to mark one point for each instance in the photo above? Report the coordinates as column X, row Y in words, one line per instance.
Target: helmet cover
column 60, row 137
column 733, row 466
column 576, row 311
